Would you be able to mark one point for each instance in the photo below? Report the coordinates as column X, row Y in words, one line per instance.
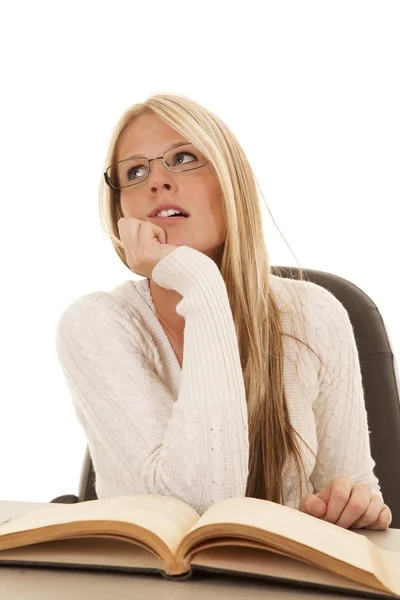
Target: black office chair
column 380, row 382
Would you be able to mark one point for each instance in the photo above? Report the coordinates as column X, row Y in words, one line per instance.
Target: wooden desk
column 51, row 584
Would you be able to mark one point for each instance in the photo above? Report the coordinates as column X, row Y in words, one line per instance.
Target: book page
column 269, row 564
column 293, row 525
column 167, row 518
column 97, row 551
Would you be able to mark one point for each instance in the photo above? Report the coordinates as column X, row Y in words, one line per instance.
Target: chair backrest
column 87, row 483
column 380, row 382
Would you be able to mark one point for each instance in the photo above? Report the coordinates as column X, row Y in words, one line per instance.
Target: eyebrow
column 175, row 145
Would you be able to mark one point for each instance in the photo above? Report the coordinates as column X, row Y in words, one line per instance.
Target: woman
column 211, row 377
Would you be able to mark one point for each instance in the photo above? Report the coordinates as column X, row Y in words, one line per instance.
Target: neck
column 165, row 302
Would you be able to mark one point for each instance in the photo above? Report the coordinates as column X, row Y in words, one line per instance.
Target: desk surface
column 46, row 584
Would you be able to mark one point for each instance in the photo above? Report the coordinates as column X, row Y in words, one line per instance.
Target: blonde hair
column 245, row 268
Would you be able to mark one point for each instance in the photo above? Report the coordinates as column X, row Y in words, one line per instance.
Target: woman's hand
column 144, row 243
column 348, row 504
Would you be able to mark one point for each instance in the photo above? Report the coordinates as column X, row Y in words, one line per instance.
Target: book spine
column 181, row 577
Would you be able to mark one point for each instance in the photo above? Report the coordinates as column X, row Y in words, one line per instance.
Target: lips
column 166, row 207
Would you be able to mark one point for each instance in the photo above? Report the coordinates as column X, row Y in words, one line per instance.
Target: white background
column 311, row 89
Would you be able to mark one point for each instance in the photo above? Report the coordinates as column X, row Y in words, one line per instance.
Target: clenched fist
column 144, row 244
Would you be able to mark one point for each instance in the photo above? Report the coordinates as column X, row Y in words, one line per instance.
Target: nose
column 159, row 176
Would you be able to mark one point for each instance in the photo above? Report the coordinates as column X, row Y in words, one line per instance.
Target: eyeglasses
column 136, row 169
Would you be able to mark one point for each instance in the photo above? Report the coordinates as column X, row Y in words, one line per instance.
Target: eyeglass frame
column 149, row 160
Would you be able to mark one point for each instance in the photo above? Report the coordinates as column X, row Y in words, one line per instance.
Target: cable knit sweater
column 155, row 428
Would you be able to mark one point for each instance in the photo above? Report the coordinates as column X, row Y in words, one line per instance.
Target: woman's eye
column 183, row 154
column 132, row 172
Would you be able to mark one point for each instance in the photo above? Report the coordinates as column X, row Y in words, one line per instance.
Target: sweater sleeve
column 194, row 448
column 340, row 413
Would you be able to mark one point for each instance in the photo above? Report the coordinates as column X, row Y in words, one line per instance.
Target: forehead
column 147, row 135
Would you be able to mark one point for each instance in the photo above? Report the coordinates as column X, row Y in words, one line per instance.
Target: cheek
column 205, row 179
column 209, row 191
column 129, row 206
column 124, row 206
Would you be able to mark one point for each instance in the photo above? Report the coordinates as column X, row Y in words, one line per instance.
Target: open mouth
column 172, row 218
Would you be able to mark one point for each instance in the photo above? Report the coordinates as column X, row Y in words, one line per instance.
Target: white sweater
column 155, row 428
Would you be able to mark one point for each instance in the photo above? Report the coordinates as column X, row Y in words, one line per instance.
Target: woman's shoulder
column 310, row 302
column 114, row 318
column 122, row 300
column 314, row 315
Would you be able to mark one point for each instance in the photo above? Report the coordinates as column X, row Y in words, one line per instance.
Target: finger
column 149, row 232
column 122, row 233
column 121, row 226
column 139, row 233
column 341, row 488
column 130, row 234
column 325, row 493
column 313, row 505
column 356, row 506
column 384, row 519
column 126, row 227
column 370, row 515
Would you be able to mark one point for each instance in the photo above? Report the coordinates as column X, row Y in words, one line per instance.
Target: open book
column 159, row 534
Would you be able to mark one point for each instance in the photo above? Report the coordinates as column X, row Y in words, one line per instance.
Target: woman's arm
column 340, row 414
column 350, row 496
column 194, row 448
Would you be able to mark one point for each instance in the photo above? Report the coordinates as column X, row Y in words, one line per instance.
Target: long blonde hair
column 245, row 268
